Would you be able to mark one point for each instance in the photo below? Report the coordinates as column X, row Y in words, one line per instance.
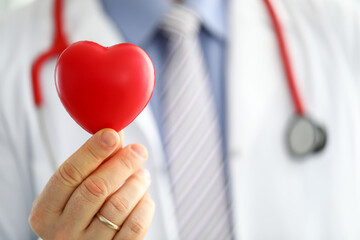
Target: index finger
column 76, row 168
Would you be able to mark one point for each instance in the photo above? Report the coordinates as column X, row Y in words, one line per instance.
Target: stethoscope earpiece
column 304, row 137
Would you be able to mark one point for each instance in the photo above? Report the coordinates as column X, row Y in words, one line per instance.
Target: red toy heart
column 104, row 87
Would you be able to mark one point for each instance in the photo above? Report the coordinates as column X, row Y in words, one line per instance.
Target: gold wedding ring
column 107, row 222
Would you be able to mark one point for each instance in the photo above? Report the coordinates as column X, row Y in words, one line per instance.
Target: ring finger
column 118, row 206
column 137, row 224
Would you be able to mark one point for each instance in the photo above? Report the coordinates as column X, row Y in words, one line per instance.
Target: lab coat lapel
column 254, row 77
column 255, row 72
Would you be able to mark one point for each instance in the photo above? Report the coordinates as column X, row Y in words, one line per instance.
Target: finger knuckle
column 149, row 201
column 138, row 179
column 69, row 174
column 122, row 205
column 137, row 226
column 40, row 221
column 36, row 221
column 95, row 188
column 40, row 218
column 128, row 161
column 93, row 152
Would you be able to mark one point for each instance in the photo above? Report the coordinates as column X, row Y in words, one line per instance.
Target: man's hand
column 87, row 183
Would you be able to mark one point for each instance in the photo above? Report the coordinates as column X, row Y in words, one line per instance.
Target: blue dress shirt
column 138, row 21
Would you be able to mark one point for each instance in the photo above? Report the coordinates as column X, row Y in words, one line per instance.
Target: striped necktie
column 192, row 136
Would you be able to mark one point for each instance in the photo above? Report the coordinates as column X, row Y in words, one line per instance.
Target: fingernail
column 108, row 139
column 139, row 150
column 146, row 174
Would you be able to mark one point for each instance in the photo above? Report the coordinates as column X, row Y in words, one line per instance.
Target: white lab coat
column 274, row 197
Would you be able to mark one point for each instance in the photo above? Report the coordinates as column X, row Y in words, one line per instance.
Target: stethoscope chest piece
column 304, row 137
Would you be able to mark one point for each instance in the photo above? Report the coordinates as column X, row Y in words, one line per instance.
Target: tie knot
column 180, row 20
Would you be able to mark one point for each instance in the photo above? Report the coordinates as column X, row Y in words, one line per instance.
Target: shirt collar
column 212, row 15
column 138, row 19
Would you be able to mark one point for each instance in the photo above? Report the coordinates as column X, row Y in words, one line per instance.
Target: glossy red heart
column 104, row 87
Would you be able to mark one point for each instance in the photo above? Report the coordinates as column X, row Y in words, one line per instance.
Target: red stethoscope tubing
column 298, row 104
column 60, row 43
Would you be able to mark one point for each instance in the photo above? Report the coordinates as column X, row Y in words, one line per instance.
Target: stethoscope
column 303, row 137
